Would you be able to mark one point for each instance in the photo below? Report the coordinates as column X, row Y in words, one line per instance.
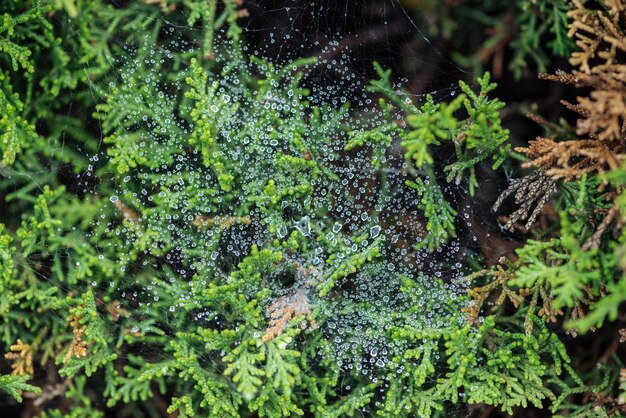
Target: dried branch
column 534, row 189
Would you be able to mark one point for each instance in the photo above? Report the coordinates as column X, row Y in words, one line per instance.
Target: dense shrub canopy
column 215, row 208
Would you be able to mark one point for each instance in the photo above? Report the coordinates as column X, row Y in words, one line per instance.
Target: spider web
column 346, row 37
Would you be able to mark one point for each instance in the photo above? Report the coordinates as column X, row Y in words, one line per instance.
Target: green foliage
column 537, row 20
column 15, row 385
column 476, row 138
column 533, row 31
column 210, row 274
column 380, row 138
column 433, row 124
column 498, row 382
column 562, row 266
column 606, row 285
column 15, row 131
column 82, row 404
column 483, row 136
column 573, row 268
column 437, row 211
column 494, row 363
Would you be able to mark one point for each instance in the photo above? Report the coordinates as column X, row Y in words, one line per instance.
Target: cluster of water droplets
column 354, row 205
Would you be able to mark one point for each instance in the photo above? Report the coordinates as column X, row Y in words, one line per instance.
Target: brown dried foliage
column 287, row 307
column 222, row 223
column 601, row 129
column 116, row 310
column 129, row 214
column 22, row 356
column 78, row 346
column 598, row 143
column 499, row 291
column 534, row 189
